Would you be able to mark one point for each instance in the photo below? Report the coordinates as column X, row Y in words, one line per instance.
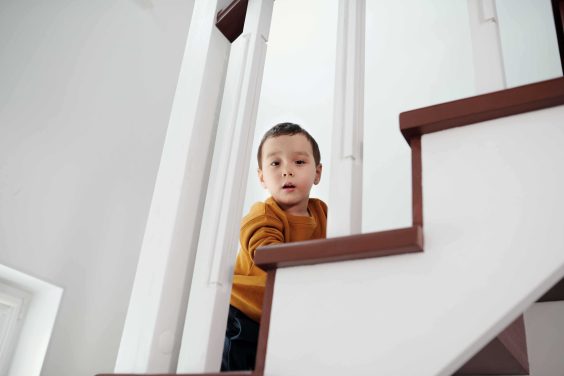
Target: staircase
column 485, row 225
column 381, row 303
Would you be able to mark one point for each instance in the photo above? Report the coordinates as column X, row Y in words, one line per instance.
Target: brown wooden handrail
column 353, row 247
column 231, row 20
column 482, row 107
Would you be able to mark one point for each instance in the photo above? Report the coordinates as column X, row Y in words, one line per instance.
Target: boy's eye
column 275, row 163
column 300, row 162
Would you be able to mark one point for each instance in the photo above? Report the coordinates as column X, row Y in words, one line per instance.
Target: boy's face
column 288, row 171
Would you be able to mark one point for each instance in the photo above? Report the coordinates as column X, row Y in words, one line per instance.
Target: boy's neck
column 299, row 210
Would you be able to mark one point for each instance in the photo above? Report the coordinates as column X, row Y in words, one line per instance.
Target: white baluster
column 345, row 196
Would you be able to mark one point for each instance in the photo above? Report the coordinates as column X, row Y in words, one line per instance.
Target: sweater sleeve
column 261, row 227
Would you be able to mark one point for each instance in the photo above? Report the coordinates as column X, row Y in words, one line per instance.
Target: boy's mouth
column 288, row 186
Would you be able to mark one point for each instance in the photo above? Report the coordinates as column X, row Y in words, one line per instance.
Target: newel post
column 206, row 316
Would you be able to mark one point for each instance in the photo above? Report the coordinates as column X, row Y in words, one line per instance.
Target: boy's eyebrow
column 274, row 153
column 302, row 153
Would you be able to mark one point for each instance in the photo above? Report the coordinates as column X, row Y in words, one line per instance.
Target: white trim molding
column 13, row 304
column 153, row 326
column 345, row 196
column 31, row 308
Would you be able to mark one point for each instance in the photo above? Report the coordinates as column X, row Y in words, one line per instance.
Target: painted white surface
column 35, row 331
column 152, row 331
column 528, row 41
column 493, row 245
column 85, row 96
column 345, row 187
column 418, row 53
column 489, row 71
column 298, row 82
column 206, row 316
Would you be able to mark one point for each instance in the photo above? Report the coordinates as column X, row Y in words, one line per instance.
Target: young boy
column 289, row 164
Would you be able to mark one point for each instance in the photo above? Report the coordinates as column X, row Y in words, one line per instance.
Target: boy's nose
column 288, row 174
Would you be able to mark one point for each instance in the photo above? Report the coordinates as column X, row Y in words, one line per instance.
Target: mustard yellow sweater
column 266, row 224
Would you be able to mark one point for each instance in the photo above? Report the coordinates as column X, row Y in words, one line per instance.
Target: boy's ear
column 318, row 171
column 261, row 178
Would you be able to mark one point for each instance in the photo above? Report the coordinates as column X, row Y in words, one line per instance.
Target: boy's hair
column 288, row 129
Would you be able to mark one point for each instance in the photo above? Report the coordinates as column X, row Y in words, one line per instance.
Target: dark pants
column 240, row 346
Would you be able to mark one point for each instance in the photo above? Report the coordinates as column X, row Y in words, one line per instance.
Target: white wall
column 298, row 81
column 418, row 53
column 85, row 96
column 528, row 41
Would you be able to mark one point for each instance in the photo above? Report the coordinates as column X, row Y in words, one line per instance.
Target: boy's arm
column 260, row 231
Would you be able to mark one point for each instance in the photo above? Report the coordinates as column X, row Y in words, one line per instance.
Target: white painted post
column 151, row 336
column 345, row 195
column 204, row 330
column 489, row 72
